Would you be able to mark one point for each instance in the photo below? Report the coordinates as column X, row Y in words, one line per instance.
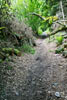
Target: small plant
column 59, row 50
column 28, row 49
column 59, row 40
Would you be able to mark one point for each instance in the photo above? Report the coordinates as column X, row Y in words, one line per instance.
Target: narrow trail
column 38, row 76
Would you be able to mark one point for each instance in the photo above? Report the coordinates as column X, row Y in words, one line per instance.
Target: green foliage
column 23, row 9
column 16, row 52
column 28, row 49
column 40, row 31
column 5, row 16
column 59, row 50
column 48, row 30
column 50, row 19
column 11, row 51
column 59, row 39
column 4, row 10
column 2, row 28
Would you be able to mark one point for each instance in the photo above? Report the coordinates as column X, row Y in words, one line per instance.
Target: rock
column 65, row 97
column 49, row 93
column 65, row 54
column 44, row 35
column 39, row 92
column 62, row 94
column 40, row 79
column 38, row 58
column 55, row 84
column 33, row 83
column 17, row 94
column 61, row 66
column 57, row 94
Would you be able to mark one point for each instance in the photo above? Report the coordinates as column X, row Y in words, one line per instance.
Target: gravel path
column 38, row 76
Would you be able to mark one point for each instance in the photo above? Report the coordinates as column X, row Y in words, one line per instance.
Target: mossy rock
column 11, row 51
column 8, row 50
column 59, row 50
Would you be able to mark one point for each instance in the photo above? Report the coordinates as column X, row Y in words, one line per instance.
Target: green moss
column 7, row 50
column 11, row 51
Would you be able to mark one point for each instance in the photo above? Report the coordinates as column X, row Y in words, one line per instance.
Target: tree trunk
column 61, row 5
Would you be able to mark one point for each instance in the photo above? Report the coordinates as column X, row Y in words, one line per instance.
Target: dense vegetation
column 24, row 9
column 19, row 16
column 23, row 20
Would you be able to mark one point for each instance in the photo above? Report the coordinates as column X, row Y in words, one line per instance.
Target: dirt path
column 38, row 76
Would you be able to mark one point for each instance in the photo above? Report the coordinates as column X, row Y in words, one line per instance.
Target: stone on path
column 57, row 94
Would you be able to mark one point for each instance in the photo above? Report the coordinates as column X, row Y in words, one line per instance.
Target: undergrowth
column 28, row 49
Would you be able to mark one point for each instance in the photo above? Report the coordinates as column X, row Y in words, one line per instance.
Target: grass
column 28, row 49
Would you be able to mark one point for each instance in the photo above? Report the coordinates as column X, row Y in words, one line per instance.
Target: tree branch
column 59, row 23
column 58, row 30
column 53, row 33
column 38, row 15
